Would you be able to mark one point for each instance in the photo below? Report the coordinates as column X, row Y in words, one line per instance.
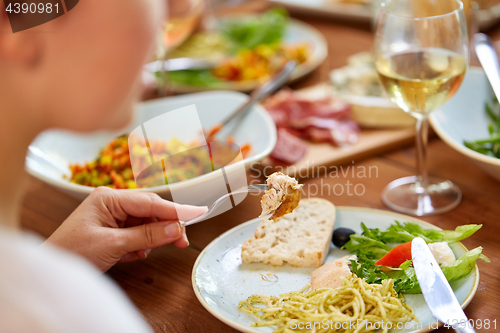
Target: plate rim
column 246, row 329
column 350, row 11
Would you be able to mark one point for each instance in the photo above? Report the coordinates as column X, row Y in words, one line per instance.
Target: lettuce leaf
column 464, row 265
column 405, row 280
column 402, row 233
column 367, row 245
column 373, row 242
column 461, row 232
column 249, row 32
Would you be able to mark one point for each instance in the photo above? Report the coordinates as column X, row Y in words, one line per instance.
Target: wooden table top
column 161, row 285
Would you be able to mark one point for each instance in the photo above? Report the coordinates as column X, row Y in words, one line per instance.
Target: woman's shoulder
column 50, row 290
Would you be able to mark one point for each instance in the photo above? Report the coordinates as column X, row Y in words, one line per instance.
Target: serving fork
column 218, row 202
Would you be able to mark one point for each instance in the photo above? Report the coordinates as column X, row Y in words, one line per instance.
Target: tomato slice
column 395, row 257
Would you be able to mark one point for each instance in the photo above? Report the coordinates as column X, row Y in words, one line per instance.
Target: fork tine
column 218, row 202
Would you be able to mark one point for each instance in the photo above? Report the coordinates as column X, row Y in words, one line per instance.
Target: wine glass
column 421, row 55
column 182, row 19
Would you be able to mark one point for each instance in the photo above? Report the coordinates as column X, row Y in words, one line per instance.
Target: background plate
column 485, row 18
column 296, row 31
column 220, row 280
column 329, row 8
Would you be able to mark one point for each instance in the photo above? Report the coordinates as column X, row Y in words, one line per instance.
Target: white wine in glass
column 421, row 56
column 420, row 81
column 183, row 17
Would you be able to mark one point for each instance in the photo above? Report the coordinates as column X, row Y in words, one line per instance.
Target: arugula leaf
column 407, row 264
column 405, row 281
column 367, row 270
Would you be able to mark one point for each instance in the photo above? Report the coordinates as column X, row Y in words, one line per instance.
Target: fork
column 218, row 202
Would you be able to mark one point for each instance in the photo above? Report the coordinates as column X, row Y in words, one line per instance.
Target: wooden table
column 161, row 285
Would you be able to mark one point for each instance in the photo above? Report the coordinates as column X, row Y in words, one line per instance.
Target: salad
column 386, row 254
column 113, row 166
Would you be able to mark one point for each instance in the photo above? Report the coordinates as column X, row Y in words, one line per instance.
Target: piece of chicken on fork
column 282, row 197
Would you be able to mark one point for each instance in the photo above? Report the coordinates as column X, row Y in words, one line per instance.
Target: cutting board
column 320, row 157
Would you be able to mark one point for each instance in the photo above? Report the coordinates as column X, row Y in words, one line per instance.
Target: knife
column 488, row 58
column 437, row 291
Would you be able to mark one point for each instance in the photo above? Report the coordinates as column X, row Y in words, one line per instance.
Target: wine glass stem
column 163, row 86
column 421, row 146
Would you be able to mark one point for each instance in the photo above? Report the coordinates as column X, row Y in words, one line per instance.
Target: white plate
column 464, row 118
column 221, row 281
column 51, row 153
column 486, row 18
column 296, row 31
column 329, row 8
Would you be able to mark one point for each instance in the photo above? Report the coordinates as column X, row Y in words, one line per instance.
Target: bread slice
column 301, row 239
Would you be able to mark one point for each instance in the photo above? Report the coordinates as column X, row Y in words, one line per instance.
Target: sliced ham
column 317, row 135
column 285, row 106
column 289, row 148
column 319, row 120
column 346, row 133
column 339, row 133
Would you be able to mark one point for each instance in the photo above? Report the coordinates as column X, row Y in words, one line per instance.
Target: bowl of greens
column 470, row 122
column 246, row 51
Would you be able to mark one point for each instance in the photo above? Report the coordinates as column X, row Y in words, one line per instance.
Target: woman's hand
column 111, row 226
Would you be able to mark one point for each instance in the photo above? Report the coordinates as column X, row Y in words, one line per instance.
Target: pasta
column 356, row 306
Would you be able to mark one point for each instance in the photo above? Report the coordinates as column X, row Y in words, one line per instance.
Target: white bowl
column 52, row 151
column 464, row 118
